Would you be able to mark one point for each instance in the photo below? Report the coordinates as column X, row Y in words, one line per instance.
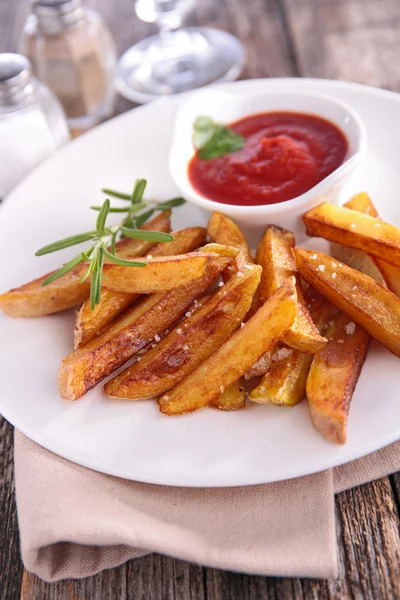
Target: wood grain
column 355, row 40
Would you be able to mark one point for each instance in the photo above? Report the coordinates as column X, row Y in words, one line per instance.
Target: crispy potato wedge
column 233, row 398
column 354, row 229
column 364, row 300
column 285, row 381
column 380, row 270
column 160, row 274
column 236, row 356
column 275, row 255
column 333, row 376
column 85, row 367
column 190, row 343
column 89, row 322
column 222, row 230
column 34, row 300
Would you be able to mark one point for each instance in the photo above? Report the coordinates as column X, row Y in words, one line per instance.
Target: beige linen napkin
column 75, row 522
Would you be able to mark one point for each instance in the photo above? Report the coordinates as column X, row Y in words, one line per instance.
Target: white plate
column 132, row 439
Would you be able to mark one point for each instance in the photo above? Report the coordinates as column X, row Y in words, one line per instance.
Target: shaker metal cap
column 15, row 74
column 53, row 14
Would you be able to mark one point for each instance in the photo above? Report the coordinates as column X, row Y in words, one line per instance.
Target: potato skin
column 364, row 300
column 90, row 321
column 190, row 342
column 236, row 356
column 333, row 376
column 354, row 229
column 85, row 367
column 275, row 255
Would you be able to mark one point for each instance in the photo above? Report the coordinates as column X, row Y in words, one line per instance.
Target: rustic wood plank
column 347, row 39
column 353, row 40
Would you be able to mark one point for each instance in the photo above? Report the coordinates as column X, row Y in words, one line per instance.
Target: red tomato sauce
column 285, row 155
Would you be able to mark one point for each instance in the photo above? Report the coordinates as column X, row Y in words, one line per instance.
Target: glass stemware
column 177, row 58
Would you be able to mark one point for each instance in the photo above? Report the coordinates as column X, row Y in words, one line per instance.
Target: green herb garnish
column 213, row 140
column 104, row 237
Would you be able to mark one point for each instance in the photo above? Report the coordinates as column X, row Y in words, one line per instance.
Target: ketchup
column 285, row 155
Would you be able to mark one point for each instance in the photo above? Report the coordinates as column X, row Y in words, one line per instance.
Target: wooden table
column 355, row 40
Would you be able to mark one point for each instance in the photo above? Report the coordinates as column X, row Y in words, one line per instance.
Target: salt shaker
column 72, row 52
column 32, row 123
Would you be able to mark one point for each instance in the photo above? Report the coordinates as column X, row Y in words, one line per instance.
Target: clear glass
column 78, row 64
column 29, row 132
column 176, row 59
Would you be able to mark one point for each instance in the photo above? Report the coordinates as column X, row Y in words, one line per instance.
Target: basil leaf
column 214, row 140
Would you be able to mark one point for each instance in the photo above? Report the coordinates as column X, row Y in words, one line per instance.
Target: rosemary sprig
column 104, row 237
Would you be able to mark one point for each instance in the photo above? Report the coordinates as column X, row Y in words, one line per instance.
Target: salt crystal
column 153, row 345
column 179, row 331
column 149, row 256
column 340, row 341
column 242, row 325
column 333, row 275
column 353, row 225
column 157, row 337
column 221, row 284
column 139, row 358
column 354, row 287
column 321, row 268
column 314, row 256
column 166, row 397
column 334, row 265
column 350, row 328
column 188, row 314
column 221, row 388
column 281, row 354
column 239, row 274
column 185, row 347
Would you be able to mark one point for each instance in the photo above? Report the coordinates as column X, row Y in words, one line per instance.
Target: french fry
column 160, row 274
column 380, row 270
column 333, row 376
column 233, row 398
column 236, row 356
column 85, row 367
column 222, row 230
column 285, row 381
column 190, row 342
column 90, row 321
column 354, row 229
column 275, row 255
column 34, row 300
column 365, row 301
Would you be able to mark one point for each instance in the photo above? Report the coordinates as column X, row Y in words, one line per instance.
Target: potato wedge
column 89, row 322
column 222, row 230
column 285, row 381
column 275, row 255
column 233, row 398
column 236, row 356
column 33, row 300
column 380, row 270
column 364, row 300
column 190, row 343
column 354, row 229
column 160, row 274
column 85, row 367
column 333, row 376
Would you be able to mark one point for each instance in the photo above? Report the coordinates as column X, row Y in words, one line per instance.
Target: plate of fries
column 176, row 348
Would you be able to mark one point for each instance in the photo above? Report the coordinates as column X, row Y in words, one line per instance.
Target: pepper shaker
column 72, row 52
column 32, row 123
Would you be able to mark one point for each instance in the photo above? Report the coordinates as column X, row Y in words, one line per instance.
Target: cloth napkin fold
column 75, row 522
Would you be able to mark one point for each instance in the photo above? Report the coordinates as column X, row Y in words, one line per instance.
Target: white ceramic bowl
column 227, row 106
